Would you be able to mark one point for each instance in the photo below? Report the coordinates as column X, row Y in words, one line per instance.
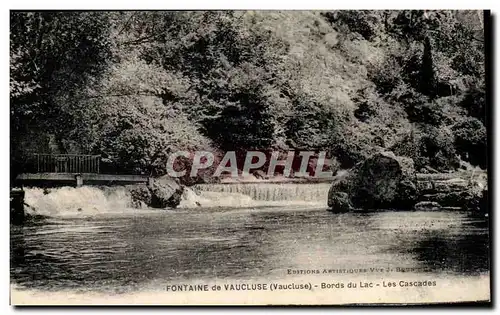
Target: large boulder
column 165, row 192
column 383, row 181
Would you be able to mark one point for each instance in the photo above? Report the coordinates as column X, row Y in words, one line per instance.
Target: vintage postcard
column 249, row 157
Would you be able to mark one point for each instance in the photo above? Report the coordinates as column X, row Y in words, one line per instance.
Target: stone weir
column 386, row 181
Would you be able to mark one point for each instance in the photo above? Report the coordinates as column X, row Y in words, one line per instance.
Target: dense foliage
column 135, row 86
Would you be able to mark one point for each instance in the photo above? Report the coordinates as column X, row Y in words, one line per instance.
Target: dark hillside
column 136, row 86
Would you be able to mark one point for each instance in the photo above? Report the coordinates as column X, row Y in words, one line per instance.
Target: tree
column 53, row 56
column 53, row 53
column 133, row 86
column 427, row 76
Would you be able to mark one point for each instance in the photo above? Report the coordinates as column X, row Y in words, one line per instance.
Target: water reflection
column 129, row 252
column 466, row 252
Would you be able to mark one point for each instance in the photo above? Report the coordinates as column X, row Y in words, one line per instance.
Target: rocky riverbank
column 386, row 181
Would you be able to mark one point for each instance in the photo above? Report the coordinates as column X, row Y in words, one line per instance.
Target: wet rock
column 17, row 213
column 483, row 202
column 383, row 181
column 140, row 195
column 338, row 202
column 466, row 200
column 165, row 192
column 407, row 194
column 430, row 185
column 427, row 206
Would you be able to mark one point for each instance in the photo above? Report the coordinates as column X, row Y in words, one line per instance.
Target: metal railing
column 67, row 163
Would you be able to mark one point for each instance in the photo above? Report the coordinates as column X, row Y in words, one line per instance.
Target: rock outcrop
column 460, row 190
column 386, row 181
column 383, row 181
column 165, row 192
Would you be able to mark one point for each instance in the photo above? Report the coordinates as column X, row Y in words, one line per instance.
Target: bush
column 419, row 108
column 367, row 103
column 364, row 22
column 425, row 112
column 387, row 76
column 354, row 145
column 428, row 146
column 350, row 82
column 470, row 141
column 475, row 103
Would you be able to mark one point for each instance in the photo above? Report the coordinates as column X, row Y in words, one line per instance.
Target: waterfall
column 272, row 191
column 256, row 194
column 91, row 200
column 81, row 201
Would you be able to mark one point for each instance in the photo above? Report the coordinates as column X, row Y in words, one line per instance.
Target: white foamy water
column 88, row 200
column 240, row 195
column 273, row 191
column 192, row 199
column 68, row 201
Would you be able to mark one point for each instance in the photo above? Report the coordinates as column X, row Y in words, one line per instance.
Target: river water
column 144, row 250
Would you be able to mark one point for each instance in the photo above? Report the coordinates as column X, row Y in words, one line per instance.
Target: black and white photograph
column 250, row 157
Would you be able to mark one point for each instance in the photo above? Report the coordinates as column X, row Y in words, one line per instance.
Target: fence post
column 79, row 180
